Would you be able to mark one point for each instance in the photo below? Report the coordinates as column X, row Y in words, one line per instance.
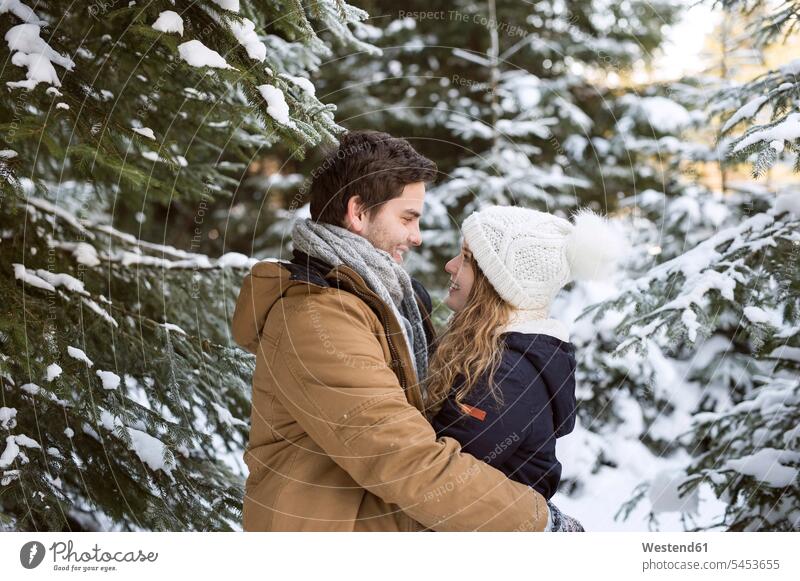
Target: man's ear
column 355, row 215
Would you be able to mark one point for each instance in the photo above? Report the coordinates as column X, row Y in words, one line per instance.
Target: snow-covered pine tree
column 632, row 403
column 753, row 449
column 650, row 158
column 543, row 95
column 124, row 405
column 711, row 335
column 767, row 105
column 729, row 51
column 719, row 312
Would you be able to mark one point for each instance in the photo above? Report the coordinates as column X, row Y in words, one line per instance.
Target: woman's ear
column 355, row 215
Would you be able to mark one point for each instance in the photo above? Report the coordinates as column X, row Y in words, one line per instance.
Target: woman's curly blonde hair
column 470, row 346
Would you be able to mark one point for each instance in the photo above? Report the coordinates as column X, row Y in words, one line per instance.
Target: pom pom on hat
column 594, row 248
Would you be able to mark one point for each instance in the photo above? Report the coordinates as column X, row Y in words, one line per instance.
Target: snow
column 21, row 273
column 152, row 156
column 12, row 450
column 136, row 392
column 236, row 260
column 68, row 217
column 520, row 128
column 759, row 316
column 769, row 400
column 226, row 417
column 689, row 320
column 90, row 431
column 792, row 436
column 788, row 130
column 150, row 450
column 232, row 5
column 786, row 352
column 67, row 281
column 63, row 106
column 469, row 128
column 8, row 418
column 110, row 380
column 573, row 113
column 665, row 115
column 694, row 293
column 471, row 57
column 145, row 131
column 766, row 466
column 603, row 489
column 29, row 50
column 24, row 440
column 791, row 68
column 247, row 37
column 787, row 203
column 575, row 145
column 665, row 496
column 745, row 112
column 21, row 11
column 53, row 371
column 7, row 154
column 169, row 21
column 49, row 281
column 197, row 54
column 172, row 327
column 109, row 421
column 76, row 353
column 100, row 311
column 85, row 254
column 10, row 453
column 695, row 263
column 30, row 388
column 303, row 83
column 276, row 104
column 68, row 432
column 198, row 261
column 400, row 24
column 8, row 476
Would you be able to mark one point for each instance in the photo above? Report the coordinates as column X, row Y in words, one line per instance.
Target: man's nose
column 416, row 237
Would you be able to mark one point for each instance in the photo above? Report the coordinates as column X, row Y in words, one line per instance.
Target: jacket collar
column 306, row 268
column 535, row 322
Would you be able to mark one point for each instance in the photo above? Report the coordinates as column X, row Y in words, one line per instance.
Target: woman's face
column 462, row 277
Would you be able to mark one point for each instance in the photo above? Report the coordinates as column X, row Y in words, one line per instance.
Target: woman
column 502, row 379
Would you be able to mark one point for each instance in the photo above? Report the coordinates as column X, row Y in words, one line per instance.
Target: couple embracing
column 362, row 418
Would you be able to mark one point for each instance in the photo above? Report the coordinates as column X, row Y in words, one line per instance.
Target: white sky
column 681, row 51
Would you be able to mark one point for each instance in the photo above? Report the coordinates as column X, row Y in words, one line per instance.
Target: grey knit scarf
column 383, row 275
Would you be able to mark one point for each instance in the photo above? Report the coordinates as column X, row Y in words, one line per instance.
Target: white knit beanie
column 528, row 256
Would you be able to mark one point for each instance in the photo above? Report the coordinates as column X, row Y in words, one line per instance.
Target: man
column 338, row 438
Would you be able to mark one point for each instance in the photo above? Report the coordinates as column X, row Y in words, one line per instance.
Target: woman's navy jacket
column 536, row 378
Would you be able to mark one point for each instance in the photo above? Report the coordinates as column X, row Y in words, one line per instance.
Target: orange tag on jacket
column 474, row 412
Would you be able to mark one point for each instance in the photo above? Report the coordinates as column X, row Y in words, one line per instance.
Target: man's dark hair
column 372, row 165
